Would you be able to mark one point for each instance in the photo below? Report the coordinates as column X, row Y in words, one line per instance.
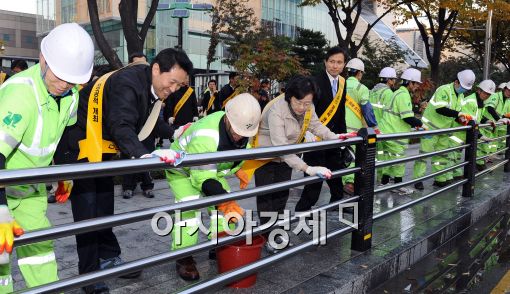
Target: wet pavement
column 398, row 242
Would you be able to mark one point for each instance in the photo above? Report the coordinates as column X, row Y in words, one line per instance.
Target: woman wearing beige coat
column 282, row 123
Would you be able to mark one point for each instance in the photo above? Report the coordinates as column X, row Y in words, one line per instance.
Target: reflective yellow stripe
column 33, row 260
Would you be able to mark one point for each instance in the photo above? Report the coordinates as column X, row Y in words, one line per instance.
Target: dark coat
column 127, row 103
column 324, row 98
column 188, row 109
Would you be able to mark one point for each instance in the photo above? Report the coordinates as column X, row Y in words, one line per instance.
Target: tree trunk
column 102, row 44
column 434, row 63
column 128, row 17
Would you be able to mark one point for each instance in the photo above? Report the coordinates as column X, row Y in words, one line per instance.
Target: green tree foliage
column 232, row 21
column 310, row 46
column 347, row 14
column 471, row 35
column 376, row 56
column 262, row 56
column 435, row 21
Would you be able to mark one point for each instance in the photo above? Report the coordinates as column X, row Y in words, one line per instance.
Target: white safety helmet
column 69, row 52
column 243, row 113
column 412, row 75
column 466, row 79
column 388, row 73
column 502, row 86
column 356, row 64
column 488, row 86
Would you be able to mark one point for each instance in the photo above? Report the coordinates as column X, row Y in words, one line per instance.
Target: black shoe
column 116, row 261
column 127, row 194
column 52, row 199
column 186, row 269
column 441, row 184
column 148, row 193
column 212, row 254
column 98, row 288
column 419, row 186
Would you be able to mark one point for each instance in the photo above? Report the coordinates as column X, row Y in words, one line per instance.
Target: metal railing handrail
column 115, row 167
column 365, row 169
column 419, row 134
column 136, row 265
column 418, row 156
column 144, row 214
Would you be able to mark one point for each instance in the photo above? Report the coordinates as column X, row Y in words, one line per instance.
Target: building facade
column 18, row 37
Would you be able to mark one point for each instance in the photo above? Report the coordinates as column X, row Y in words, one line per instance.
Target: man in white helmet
column 443, row 109
column 358, row 109
column 379, row 97
column 474, row 106
column 496, row 107
column 36, row 105
column 219, row 131
column 398, row 117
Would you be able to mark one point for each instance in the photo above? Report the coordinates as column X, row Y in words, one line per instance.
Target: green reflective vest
column 445, row 96
column 398, row 108
column 32, row 124
column 361, row 95
column 380, row 95
column 203, row 136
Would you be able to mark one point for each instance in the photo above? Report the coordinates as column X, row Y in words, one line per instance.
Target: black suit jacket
column 324, row 99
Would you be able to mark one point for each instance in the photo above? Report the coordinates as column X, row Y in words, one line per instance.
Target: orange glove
column 63, row 191
column 243, row 179
column 507, row 115
column 464, row 118
column 231, row 207
column 8, row 229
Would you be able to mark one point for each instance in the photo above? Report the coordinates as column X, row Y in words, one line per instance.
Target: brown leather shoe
column 349, row 188
column 186, row 268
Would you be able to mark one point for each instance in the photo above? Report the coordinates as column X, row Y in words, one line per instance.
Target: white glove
column 309, row 137
column 504, row 120
column 171, row 120
column 167, row 155
column 178, row 133
column 318, row 171
column 195, row 119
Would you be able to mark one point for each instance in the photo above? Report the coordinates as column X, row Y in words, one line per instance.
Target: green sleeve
column 199, row 174
column 492, row 101
column 441, row 98
column 16, row 108
column 404, row 106
column 364, row 95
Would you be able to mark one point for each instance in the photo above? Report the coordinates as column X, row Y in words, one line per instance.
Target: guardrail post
column 364, row 187
column 468, row 189
column 507, row 152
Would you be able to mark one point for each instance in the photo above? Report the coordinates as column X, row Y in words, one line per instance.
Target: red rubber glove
column 63, row 191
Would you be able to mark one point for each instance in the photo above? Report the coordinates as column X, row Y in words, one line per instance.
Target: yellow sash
column 93, row 146
column 333, row 106
column 251, row 165
column 2, row 77
column 183, row 100
column 211, row 101
column 236, row 91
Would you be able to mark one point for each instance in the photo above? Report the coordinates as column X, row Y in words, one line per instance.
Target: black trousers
column 271, row 173
column 91, row 198
column 332, row 159
column 129, row 181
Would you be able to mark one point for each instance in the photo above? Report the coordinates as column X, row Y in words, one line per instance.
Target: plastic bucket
column 236, row 255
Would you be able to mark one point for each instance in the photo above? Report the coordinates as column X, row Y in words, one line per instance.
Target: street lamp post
column 180, row 9
column 488, row 47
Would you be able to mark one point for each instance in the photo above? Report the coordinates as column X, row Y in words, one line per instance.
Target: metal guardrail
column 364, row 170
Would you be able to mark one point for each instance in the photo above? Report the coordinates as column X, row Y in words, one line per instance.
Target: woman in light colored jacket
column 282, row 124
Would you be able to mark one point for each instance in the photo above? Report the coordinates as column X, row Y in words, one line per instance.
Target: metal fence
column 364, row 191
